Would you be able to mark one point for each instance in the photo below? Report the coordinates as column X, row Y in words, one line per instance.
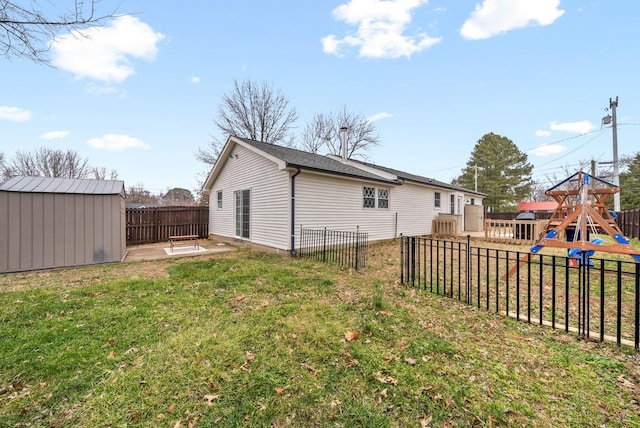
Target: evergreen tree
column 630, row 185
column 504, row 174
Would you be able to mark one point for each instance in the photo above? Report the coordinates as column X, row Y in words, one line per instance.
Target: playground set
column 581, row 217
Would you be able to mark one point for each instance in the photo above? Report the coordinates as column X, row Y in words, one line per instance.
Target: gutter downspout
column 293, row 212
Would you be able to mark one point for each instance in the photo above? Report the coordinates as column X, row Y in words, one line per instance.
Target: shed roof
column 63, row 185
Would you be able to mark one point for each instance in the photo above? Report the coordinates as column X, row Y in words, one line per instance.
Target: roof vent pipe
column 343, row 142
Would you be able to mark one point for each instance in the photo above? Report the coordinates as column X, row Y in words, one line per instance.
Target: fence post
column 324, row 245
column 357, row 246
column 468, row 270
column 401, row 259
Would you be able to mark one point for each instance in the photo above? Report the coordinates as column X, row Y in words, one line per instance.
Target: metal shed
column 57, row 222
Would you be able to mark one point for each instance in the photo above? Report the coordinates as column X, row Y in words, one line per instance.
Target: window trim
column 372, row 201
column 219, row 199
column 242, row 214
column 386, row 200
column 437, row 200
column 368, row 201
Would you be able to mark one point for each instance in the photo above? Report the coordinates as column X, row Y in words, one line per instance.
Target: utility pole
column 616, row 178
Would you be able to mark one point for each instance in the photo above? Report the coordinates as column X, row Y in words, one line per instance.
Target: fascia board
column 371, row 170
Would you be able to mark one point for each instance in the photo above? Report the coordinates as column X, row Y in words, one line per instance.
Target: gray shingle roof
column 419, row 179
column 62, row 185
column 312, row 161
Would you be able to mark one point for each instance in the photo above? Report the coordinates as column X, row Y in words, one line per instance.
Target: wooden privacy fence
column 149, row 225
column 629, row 222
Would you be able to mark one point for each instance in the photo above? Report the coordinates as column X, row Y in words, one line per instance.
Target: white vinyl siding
column 269, row 209
column 415, row 207
column 337, row 204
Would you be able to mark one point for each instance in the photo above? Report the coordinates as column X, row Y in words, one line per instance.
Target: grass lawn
column 251, row 339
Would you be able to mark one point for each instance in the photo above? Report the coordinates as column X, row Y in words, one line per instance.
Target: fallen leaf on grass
column 240, row 297
column 112, row 355
column 425, row 422
column 387, row 313
column 410, row 361
column 626, row 383
column 279, row 391
column 211, row 398
column 388, row 379
column 171, row 408
column 400, row 344
column 351, row 335
column 488, row 391
column 249, row 356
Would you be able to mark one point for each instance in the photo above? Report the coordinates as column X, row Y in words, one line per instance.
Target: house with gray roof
column 264, row 193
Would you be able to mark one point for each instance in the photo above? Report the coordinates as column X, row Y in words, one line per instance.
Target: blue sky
column 139, row 95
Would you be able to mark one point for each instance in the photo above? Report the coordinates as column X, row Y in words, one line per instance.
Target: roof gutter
column 293, row 211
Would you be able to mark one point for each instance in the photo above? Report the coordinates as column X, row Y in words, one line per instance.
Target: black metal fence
column 595, row 298
column 332, row 246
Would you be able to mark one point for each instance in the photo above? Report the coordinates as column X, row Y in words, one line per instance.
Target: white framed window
column 436, row 199
column 368, row 197
column 383, row 198
column 219, row 196
column 375, row 197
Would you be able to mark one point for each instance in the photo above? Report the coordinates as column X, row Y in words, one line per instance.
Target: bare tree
column 101, row 173
column 254, row 111
column 316, row 133
column 27, row 29
column 45, row 162
column 324, row 130
column 139, row 195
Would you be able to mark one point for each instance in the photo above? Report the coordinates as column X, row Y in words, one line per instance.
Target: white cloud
column 103, row 53
column 494, row 17
column 581, row 127
column 379, row 116
column 97, row 89
column 381, row 27
column 195, row 79
column 542, row 133
column 14, row 114
column 53, row 135
column 548, row 150
column 116, row 143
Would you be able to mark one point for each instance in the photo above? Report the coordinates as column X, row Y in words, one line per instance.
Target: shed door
column 242, row 211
